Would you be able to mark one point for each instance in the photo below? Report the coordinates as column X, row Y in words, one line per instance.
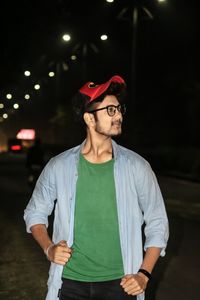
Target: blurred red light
column 15, row 147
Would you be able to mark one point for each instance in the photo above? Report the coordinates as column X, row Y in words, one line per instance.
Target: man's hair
column 81, row 102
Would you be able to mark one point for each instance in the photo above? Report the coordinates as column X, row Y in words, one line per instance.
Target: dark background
column 158, row 57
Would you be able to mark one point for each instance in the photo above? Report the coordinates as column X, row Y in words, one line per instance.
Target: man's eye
column 111, row 109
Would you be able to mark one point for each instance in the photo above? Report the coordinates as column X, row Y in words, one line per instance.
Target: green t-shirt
column 96, row 249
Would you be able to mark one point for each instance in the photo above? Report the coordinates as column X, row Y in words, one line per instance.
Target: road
column 24, row 268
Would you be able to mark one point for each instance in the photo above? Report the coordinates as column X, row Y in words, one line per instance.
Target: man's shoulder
column 133, row 161
column 64, row 156
column 131, row 155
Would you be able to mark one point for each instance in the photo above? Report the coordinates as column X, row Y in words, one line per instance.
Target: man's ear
column 89, row 119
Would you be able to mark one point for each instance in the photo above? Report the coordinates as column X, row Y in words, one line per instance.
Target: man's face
column 105, row 124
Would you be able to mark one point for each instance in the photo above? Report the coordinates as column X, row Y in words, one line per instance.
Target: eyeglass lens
column 112, row 109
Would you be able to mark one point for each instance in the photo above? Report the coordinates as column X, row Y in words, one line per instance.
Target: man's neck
column 97, row 150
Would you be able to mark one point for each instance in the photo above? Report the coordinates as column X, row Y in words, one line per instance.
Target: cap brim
column 95, row 90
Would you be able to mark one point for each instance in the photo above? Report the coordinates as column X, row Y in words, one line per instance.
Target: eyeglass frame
column 117, row 107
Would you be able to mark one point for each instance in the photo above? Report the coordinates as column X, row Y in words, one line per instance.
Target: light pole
column 135, row 9
column 83, row 49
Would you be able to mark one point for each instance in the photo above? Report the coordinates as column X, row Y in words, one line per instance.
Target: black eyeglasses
column 111, row 109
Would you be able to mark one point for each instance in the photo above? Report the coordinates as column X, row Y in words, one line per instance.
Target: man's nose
column 118, row 114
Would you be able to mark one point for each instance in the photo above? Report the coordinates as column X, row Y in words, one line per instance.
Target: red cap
column 95, row 90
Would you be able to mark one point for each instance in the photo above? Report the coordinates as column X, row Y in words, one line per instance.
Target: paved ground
column 24, row 268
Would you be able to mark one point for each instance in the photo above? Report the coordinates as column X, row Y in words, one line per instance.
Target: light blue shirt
column 139, row 201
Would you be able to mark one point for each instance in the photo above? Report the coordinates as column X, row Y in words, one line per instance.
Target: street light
column 36, row 86
column 51, row 74
column 5, row 116
column 73, row 57
column 27, row 73
column 16, row 106
column 104, row 37
column 9, row 96
column 27, row 96
column 66, row 37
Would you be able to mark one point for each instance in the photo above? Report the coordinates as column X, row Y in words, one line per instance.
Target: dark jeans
column 106, row 290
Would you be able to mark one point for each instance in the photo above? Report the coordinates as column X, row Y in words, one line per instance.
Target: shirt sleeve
column 153, row 208
column 42, row 200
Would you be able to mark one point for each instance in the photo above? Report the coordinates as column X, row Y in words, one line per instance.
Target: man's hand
column 59, row 253
column 134, row 284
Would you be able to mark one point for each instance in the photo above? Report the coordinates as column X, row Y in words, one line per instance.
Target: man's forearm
column 151, row 256
column 41, row 235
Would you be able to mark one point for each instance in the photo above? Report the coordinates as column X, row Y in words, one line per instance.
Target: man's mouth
column 118, row 123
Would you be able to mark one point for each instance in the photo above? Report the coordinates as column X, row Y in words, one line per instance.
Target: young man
column 104, row 194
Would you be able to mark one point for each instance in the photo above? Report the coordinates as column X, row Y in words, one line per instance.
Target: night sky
column 163, row 101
